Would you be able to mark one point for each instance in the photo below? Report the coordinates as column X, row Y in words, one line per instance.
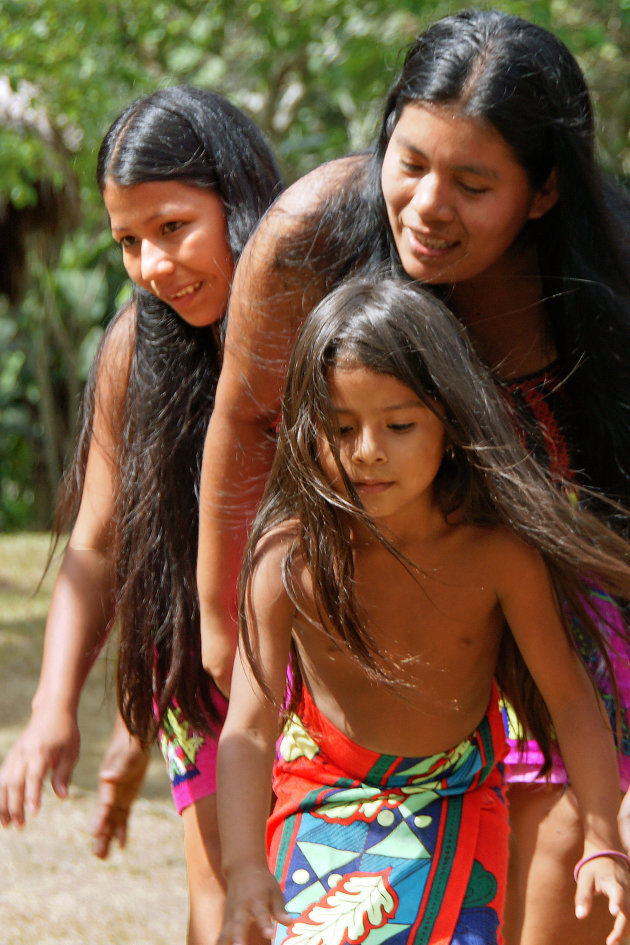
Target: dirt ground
column 54, row 891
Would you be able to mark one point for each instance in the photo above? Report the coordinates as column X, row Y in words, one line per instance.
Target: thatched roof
column 44, row 223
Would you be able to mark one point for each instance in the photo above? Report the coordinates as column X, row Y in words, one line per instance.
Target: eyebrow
column 164, row 212
column 405, row 405
column 481, row 170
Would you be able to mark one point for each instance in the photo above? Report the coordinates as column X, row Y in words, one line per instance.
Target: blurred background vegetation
column 312, row 73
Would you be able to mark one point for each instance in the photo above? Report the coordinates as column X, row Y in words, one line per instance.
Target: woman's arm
column 582, row 728
column 80, row 612
column 268, row 303
column 246, row 754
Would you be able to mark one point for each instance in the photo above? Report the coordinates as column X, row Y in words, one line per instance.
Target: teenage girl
column 484, row 185
column 185, row 177
column 407, row 550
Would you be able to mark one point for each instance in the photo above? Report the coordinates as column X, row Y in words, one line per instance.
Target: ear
column 545, row 198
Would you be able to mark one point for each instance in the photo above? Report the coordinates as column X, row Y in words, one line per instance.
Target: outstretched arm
column 582, row 728
column 246, row 753
column 74, row 633
column 268, row 303
column 80, row 613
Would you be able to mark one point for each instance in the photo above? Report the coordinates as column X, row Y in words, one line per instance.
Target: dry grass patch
column 54, row 891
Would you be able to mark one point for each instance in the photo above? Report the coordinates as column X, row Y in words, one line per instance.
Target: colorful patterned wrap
column 524, row 766
column 372, row 848
column 541, row 403
column 191, row 758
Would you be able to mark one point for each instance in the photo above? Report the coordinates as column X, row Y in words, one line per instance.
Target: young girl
column 483, row 184
column 185, row 177
column 406, row 550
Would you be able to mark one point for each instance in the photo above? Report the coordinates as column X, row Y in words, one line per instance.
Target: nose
column 368, row 448
column 431, row 199
column 155, row 263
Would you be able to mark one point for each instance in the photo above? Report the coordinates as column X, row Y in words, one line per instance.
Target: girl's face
column 390, row 443
column 174, row 243
column 456, row 196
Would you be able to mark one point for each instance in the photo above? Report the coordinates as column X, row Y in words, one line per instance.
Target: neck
column 504, row 312
column 417, row 528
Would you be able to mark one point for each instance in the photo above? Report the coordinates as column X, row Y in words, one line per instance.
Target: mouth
column 429, row 245
column 371, row 486
column 185, row 292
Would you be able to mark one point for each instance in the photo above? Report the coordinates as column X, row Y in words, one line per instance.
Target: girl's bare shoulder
column 267, row 591
column 503, row 554
column 272, row 548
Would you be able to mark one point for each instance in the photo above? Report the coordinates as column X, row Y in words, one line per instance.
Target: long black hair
column 400, row 330
column 521, row 80
column 199, row 138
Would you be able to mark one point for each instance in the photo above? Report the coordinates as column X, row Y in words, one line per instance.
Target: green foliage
column 312, row 73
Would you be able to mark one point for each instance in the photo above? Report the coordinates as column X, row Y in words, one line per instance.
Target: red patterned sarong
column 377, row 848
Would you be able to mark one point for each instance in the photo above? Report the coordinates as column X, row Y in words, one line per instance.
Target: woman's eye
column 172, row 226
column 344, row 429
column 400, row 427
column 128, row 241
column 412, row 167
column 473, row 190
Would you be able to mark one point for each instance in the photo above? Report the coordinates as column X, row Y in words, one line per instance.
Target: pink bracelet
column 615, row 854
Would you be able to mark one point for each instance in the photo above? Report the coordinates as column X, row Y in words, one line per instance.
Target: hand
column 50, row 742
column 611, row 878
column 623, row 821
column 253, row 894
column 217, row 655
column 120, row 777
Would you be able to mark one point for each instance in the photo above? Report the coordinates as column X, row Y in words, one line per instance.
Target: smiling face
column 174, row 244
column 390, row 443
column 456, row 196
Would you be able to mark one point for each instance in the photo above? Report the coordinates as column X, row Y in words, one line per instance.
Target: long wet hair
column 198, row 138
column 486, row 476
column 521, row 80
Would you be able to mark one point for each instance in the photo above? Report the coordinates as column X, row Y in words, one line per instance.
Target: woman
column 484, row 185
column 185, row 177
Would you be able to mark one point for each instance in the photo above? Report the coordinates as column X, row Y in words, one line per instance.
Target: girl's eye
column 128, row 241
column 473, row 190
column 344, row 429
column 400, row 427
column 172, row 226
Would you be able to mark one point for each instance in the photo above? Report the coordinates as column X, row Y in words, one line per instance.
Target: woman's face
column 456, row 196
column 174, row 243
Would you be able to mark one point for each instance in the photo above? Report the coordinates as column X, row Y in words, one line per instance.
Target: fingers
column 50, row 742
column 278, row 909
column 611, row 879
column 262, row 903
column 583, row 898
column 11, row 800
column 21, row 780
column 110, row 819
column 618, row 934
column 235, row 931
column 61, row 774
